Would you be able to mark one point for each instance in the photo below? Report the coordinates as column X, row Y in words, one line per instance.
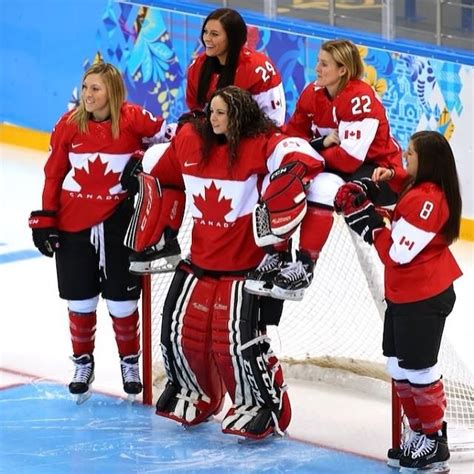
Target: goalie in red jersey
column 419, row 274
column 84, row 218
column 213, row 334
column 344, row 120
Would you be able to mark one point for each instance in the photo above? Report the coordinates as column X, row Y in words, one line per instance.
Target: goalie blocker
column 282, row 205
column 153, row 229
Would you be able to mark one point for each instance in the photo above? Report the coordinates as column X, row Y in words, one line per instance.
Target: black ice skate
column 83, row 377
column 409, row 441
column 132, row 384
column 156, row 259
column 293, row 278
column 431, row 454
column 260, row 280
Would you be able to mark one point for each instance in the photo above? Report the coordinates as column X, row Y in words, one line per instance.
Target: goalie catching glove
column 282, row 205
column 45, row 233
column 359, row 213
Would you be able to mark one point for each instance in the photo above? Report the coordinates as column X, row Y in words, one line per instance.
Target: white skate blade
column 281, row 294
column 132, row 397
column 394, row 463
column 437, row 467
column 81, row 398
column 255, row 287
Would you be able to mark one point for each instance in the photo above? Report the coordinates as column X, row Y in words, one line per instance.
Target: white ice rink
column 34, row 334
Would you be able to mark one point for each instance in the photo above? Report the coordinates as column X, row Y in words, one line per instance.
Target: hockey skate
column 132, row 384
column 409, row 441
column 293, row 279
column 83, row 378
column 430, row 454
column 260, row 281
column 156, row 259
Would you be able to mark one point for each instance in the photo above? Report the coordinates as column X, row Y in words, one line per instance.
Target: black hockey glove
column 317, row 143
column 45, row 233
column 371, row 188
column 359, row 213
column 132, row 169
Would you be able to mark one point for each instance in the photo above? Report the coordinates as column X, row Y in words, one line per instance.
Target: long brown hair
column 116, row 94
column 345, row 53
column 245, row 119
column 436, row 164
column 236, row 31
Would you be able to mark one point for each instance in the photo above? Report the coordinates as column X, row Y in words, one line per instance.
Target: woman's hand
column 382, row 174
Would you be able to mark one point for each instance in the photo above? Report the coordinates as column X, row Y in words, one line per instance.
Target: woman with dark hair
column 84, row 217
column 213, row 334
column 344, row 120
column 419, row 274
column 227, row 61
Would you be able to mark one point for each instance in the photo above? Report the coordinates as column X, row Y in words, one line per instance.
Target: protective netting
column 339, row 325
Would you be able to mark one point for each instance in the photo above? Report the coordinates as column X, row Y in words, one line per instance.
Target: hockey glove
column 317, row 143
column 45, row 233
column 370, row 188
column 130, row 173
column 359, row 213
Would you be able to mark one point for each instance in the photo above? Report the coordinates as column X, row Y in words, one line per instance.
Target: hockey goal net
column 338, row 326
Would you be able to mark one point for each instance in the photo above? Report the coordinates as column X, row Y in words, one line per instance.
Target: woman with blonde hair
column 344, row 120
column 84, row 217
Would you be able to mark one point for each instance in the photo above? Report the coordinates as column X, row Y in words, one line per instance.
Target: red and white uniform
column 418, row 262
column 83, row 169
column 222, row 199
column 211, row 341
column 359, row 116
column 255, row 73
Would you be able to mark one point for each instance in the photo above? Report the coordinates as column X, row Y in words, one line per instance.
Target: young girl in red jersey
column 84, row 217
column 227, row 61
column 419, row 274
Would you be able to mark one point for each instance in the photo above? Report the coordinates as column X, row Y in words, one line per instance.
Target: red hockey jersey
column 83, row 169
column 221, row 199
column 418, row 262
column 255, row 73
column 359, row 116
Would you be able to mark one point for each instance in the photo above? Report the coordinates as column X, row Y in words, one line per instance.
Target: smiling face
column 411, row 157
column 96, row 97
column 216, row 41
column 219, row 117
column 328, row 72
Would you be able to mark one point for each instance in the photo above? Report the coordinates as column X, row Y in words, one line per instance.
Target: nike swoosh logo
column 75, row 145
column 130, row 288
column 186, row 164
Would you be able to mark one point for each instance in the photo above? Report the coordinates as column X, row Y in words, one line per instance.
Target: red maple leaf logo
column 212, row 206
column 96, row 181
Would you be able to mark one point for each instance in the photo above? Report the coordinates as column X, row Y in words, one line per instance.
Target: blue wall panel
column 43, row 47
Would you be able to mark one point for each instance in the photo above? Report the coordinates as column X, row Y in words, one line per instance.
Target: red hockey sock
column 82, row 328
column 127, row 334
column 430, row 401
column 315, row 229
column 403, row 389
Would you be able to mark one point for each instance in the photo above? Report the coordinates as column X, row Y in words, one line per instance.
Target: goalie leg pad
column 157, row 209
column 198, row 391
column 251, row 373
